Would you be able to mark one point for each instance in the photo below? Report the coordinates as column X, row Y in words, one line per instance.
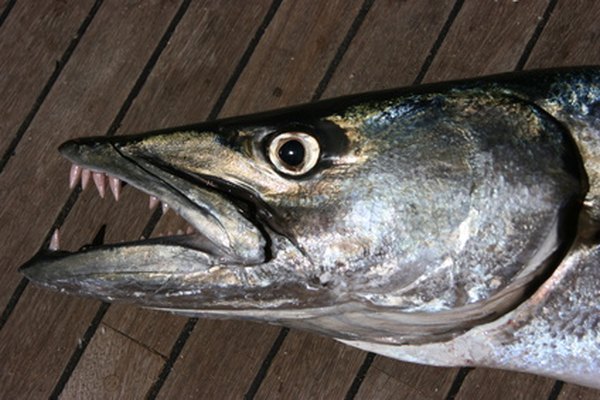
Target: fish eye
column 294, row 153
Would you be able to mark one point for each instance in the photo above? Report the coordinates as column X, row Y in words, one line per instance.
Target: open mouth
column 218, row 222
column 222, row 238
column 104, row 182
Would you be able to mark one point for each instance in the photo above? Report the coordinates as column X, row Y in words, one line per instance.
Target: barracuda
column 447, row 224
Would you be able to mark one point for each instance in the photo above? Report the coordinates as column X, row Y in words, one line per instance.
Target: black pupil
column 292, row 153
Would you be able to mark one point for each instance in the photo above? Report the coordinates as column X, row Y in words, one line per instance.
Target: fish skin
column 447, row 224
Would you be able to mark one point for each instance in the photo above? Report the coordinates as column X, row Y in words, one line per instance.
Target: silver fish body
column 447, row 224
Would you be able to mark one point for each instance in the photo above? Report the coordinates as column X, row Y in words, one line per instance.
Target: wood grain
column 219, row 361
column 572, row 37
column 500, row 385
column 31, row 41
column 37, row 343
column 574, row 392
column 106, row 373
column 85, row 99
column 486, row 39
column 193, row 70
column 292, row 58
column 311, row 367
column 391, row 379
column 390, row 47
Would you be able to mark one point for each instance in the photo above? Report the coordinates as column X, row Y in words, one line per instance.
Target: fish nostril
column 70, row 148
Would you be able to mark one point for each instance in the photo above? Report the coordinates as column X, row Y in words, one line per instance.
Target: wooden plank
column 157, row 330
column 499, row 385
column 305, row 357
column 572, row 36
column 195, row 67
column 292, row 57
column 86, row 98
column 390, row 47
column 390, row 379
column 219, row 360
column 106, row 373
column 473, row 48
column 31, row 41
column 311, row 367
column 575, row 392
column 37, row 344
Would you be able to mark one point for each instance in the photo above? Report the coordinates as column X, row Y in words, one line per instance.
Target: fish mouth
column 212, row 265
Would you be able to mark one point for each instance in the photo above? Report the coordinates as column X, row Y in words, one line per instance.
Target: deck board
column 83, row 101
column 86, row 98
column 574, row 392
column 390, row 379
column 105, row 372
column 37, row 343
column 391, row 46
column 474, row 49
column 499, row 385
column 221, row 359
column 30, row 52
column 572, row 37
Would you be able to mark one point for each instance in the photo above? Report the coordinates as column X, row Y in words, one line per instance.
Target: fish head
column 387, row 219
column 261, row 197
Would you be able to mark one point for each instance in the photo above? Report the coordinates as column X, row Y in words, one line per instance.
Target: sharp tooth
column 153, row 202
column 189, row 230
column 115, row 187
column 74, row 175
column 86, row 174
column 55, row 241
column 165, row 208
column 179, row 232
column 100, row 181
column 169, row 233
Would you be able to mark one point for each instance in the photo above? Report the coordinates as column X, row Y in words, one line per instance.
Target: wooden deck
column 94, row 67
